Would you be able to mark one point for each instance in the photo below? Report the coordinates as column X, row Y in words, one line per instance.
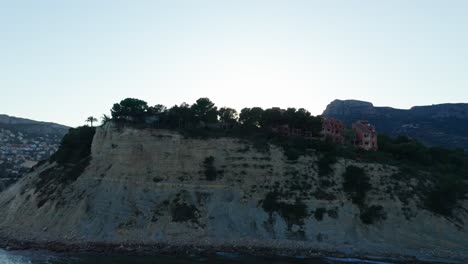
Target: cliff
column 436, row 125
column 156, row 186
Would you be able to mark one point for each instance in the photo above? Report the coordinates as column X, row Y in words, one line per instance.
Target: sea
column 45, row 257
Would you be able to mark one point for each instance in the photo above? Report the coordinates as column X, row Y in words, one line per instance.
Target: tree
column 180, row 116
column 272, row 117
column 349, row 135
column 105, row 118
column 130, row 109
column 205, row 110
column 356, row 184
column 251, row 116
column 290, row 116
column 314, row 124
column 91, row 120
column 157, row 109
column 227, row 115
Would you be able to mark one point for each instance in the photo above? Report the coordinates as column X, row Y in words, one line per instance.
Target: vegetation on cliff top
column 204, row 114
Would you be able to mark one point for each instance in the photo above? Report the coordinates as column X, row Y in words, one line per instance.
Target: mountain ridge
column 435, row 125
column 8, row 120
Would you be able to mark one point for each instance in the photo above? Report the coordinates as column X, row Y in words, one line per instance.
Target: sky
column 63, row 61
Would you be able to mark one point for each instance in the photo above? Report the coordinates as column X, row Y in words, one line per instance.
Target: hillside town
column 20, row 151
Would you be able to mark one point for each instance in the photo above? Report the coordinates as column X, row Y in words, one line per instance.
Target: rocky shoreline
column 136, row 249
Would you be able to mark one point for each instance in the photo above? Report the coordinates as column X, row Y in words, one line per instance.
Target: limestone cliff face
column 151, row 186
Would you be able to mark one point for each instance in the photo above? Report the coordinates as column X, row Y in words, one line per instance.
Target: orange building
column 334, row 129
column 366, row 135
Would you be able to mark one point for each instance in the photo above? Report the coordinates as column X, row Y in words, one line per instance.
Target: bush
column 261, row 145
column 291, row 213
column 356, row 184
column 318, row 214
column 372, row 214
column 210, row 169
column 270, row 202
column 75, row 145
column 442, row 199
column 184, row 212
column 324, row 164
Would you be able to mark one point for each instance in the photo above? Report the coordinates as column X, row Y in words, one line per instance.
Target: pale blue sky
column 62, row 61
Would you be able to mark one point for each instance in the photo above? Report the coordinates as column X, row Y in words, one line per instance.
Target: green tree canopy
column 205, row 110
column 130, row 108
column 251, row 116
column 91, row 120
column 180, row 116
column 272, row 117
column 227, row 115
column 157, row 109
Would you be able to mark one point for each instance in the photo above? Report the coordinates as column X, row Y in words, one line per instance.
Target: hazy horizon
column 64, row 61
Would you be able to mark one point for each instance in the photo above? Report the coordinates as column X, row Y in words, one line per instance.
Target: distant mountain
column 31, row 126
column 434, row 125
column 23, row 143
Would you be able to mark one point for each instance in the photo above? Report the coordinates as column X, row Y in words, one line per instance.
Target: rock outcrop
column 443, row 125
column 156, row 186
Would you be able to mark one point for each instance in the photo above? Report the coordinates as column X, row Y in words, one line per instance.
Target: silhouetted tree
column 251, row 116
column 180, row 116
column 91, row 120
column 105, row 118
column 157, row 109
column 205, row 110
column 130, row 109
column 227, row 115
column 272, row 117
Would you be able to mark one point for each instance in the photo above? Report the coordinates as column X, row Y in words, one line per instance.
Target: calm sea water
column 41, row 257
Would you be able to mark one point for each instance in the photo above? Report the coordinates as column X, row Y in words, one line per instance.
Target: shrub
column 372, row 214
column 291, row 213
column 324, row 164
column 443, row 197
column 356, row 184
column 318, row 214
column 333, row 213
column 184, row 212
column 261, row 145
column 210, row 169
column 75, row 145
column 270, row 202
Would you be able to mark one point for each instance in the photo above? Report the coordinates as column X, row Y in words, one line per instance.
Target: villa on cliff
column 366, row 135
column 333, row 129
